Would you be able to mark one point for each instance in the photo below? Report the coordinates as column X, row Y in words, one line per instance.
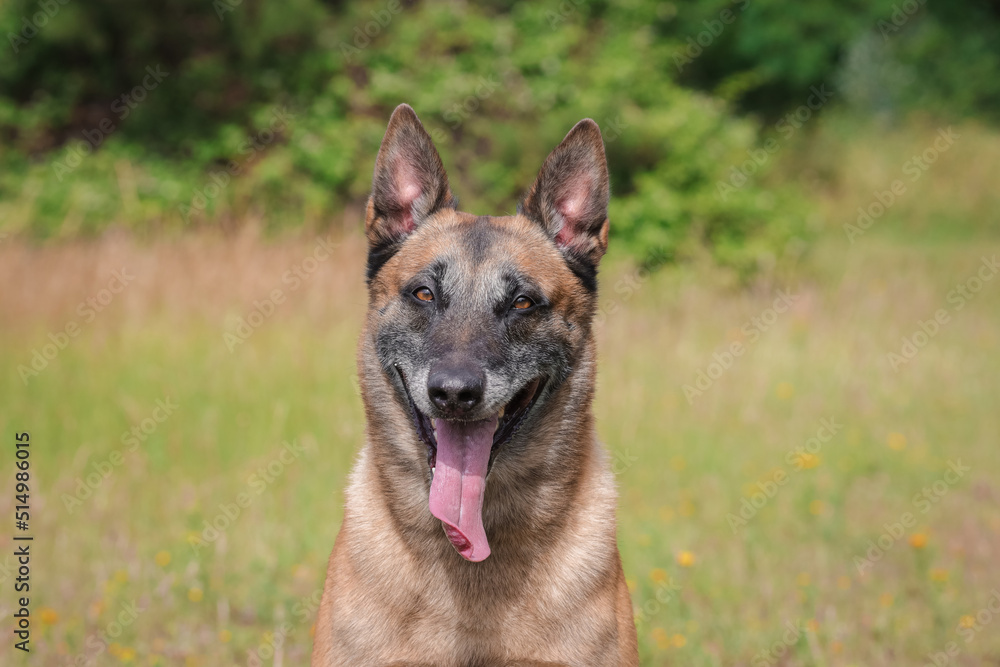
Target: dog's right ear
column 409, row 184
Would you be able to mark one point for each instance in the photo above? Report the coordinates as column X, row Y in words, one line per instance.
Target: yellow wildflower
column 685, row 559
column 939, row 574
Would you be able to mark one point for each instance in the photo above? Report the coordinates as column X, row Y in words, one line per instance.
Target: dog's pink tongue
column 463, row 455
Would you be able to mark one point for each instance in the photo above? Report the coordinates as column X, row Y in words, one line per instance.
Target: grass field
column 749, row 507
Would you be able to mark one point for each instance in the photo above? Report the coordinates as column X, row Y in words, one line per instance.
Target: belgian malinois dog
column 479, row 527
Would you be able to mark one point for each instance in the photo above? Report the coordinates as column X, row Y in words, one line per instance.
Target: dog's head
column 478, row 322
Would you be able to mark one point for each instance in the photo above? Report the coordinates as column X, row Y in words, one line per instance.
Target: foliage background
column 719, row 165
column 496, row 82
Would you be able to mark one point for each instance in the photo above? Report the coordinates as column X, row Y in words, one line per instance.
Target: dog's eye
column 423, row 294
column 522, row 303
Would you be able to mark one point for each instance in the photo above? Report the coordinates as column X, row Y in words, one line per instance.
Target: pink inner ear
column 408, row 193
column 571, row 209
column 408, row 189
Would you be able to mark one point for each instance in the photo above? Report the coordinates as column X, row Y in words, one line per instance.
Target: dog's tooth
column 502, row 410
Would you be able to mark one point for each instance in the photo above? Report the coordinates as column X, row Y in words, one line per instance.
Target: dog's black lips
column 422, row 423
column 515, row 412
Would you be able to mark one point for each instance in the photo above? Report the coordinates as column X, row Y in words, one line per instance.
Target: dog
column 479, row 527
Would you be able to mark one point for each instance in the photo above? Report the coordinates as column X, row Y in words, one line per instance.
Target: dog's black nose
column 456, row 389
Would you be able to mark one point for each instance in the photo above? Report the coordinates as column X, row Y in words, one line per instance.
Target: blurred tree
column 88, row 137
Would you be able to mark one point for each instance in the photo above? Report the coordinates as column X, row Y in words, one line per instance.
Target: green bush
column 497, row 87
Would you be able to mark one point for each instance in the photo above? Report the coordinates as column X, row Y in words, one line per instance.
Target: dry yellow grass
column 198, row 276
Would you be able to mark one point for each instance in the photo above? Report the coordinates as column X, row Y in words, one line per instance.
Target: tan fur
column 553, row 591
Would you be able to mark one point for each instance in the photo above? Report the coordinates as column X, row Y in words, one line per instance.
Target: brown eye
column 523, row 303
column 424, row 294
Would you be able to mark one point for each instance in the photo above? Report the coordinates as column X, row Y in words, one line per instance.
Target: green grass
column 794, row 559
column 681, row 467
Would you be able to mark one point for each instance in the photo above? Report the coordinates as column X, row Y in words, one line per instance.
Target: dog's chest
column 561, row 615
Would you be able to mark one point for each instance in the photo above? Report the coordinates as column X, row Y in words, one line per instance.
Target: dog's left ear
column 569, row 199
